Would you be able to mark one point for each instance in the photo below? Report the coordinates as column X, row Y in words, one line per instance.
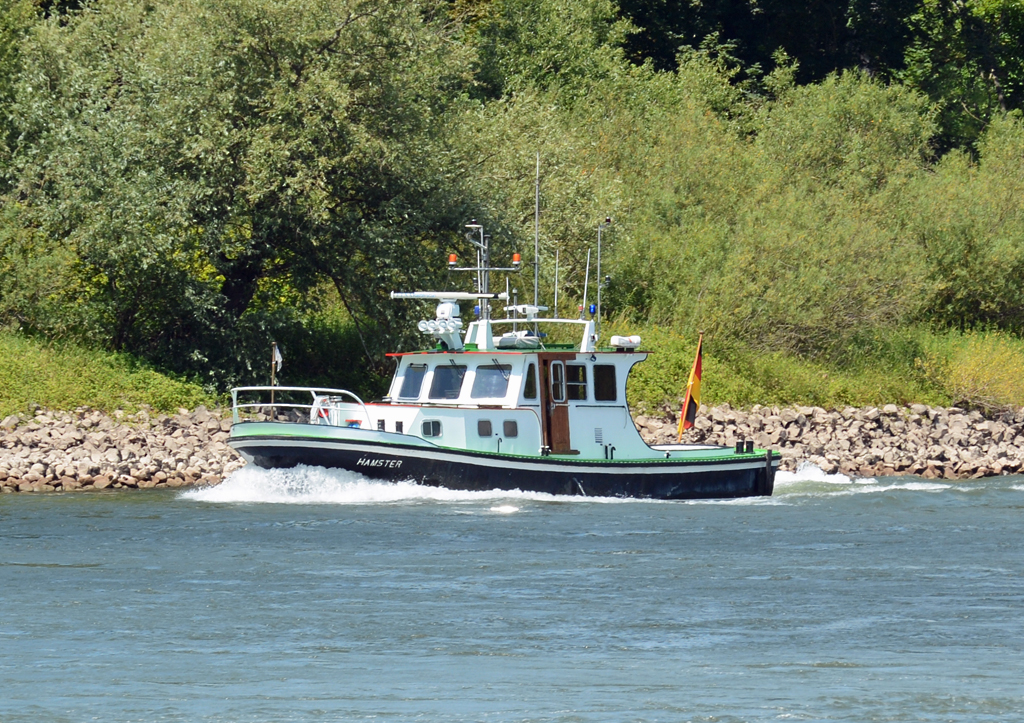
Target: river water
column 309, row 595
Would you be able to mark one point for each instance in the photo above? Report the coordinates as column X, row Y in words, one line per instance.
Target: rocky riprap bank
column 932, row 442
column 85, row 450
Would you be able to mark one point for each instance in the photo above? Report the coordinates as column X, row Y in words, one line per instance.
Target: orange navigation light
column 452, row 259
column 516, row 260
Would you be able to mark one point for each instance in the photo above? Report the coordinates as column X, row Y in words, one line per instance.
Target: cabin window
column 576, row 378
column 432, row 428
column 483, row 428
column 412, row 381
column 557, row 382
column 530, row 388
column 447, row 382
column 604, row 383
column 510, row 428
column 491, row 381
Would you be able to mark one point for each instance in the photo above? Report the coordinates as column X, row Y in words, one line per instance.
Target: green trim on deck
column 297, row 431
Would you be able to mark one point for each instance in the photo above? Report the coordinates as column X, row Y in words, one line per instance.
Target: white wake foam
column 317, row 485
column 811, row 479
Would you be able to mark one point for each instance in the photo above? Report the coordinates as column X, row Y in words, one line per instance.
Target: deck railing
column 326, row 406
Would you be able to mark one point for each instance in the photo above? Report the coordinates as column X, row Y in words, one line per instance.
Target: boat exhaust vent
column 598, row 435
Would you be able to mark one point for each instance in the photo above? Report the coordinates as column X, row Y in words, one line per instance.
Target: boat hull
column 715, row 476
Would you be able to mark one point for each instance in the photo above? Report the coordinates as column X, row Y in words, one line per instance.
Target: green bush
column 888, row 369
column 982, row 370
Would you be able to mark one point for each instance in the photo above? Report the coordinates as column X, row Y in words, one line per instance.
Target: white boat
column 495, row 407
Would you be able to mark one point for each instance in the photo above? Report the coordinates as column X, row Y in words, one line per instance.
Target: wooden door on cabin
column 556, row 403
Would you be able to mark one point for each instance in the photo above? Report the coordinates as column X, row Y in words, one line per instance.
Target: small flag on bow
column 691, row 402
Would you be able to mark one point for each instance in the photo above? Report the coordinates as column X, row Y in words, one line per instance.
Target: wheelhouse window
column 530, row 386
column 576, row 381
column 557, row 382
column 412, row 381
column 491, row 381
column 604, row 383
column 483, row 428
column 447, row 381
column 510, row 428
column 432, row 428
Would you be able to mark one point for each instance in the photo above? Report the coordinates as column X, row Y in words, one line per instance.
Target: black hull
column 726, row 478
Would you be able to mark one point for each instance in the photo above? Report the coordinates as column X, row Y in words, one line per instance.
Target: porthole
column 510, row 428
column 483, row 428
column 432, row 428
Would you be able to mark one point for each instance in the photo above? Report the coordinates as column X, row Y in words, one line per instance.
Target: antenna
column 536, row 235
column 556, row 283
column 586, row 283
column 600, row 227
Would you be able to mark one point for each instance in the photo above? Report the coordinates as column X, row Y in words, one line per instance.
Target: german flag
column 691, row 402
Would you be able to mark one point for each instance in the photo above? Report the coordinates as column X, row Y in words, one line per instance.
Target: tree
column 209, row 166
column 16, row 18
column 968, row 57
column 544, row 44
column 969, row 222
column 823, row 36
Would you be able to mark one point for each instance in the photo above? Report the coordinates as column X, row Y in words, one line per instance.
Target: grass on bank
column 67, row 377
column 977, row 370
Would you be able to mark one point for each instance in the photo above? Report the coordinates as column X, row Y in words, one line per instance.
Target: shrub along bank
column 981, row 371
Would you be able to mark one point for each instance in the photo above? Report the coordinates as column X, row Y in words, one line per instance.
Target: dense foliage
column 833, row 187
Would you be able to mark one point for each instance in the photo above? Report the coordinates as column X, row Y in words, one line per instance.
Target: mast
column 483, row 275
column 480, row 331
column 586, row 283
column 536, row 236
column 601, row 226
column 556, row 283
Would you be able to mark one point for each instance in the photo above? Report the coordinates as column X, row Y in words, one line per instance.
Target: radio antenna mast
column 586, row 283
column 556, row 283
column 536, row 236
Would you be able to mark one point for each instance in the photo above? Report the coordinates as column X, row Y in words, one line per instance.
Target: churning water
column 316, row 595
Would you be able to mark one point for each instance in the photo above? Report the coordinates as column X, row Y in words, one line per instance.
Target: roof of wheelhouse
column 549, row 348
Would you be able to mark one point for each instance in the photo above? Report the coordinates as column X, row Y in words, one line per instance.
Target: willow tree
column 203, row 167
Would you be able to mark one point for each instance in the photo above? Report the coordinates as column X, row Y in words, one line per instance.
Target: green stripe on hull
column 326, row 433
